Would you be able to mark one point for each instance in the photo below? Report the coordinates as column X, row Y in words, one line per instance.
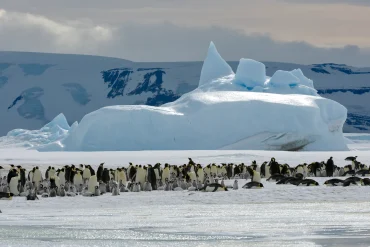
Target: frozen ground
column 283, row 215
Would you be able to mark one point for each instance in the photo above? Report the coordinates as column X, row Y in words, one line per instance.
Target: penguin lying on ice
column 253, row 185
column 213, row 188
column 334, row 182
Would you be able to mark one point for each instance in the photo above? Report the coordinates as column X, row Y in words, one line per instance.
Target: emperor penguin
column 99, row 173
column 200, row 174
column 165, row 173
column 207, row 171
column 256, row 177
column 77, row 179
column 235, row 185
column 13, row 186
column 37, row 177
column 86, row 173
column 47, row 172
column 334, row 182
column 115, row 191
column 214, row 169
column 93, row 183
column 51, row 172
column 121, row 175
column 140, row 176
column 253, row 185
column 214, row 187
column 62, row 177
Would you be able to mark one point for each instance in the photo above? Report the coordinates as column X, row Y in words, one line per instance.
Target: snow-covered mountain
column 36, row 87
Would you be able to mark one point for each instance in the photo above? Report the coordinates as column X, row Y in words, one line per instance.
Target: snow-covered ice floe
column 242, row 110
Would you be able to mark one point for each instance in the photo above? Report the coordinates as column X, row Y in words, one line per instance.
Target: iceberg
column 242, row 110
column 55, row 131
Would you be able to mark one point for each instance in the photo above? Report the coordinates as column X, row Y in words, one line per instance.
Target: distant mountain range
column 36, row 87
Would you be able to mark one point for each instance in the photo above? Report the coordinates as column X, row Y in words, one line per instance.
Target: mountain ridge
column 36, row 87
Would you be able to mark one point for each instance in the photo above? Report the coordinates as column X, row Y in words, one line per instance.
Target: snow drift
column 245, row 110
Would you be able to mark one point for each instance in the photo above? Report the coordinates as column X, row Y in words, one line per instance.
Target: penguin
column 287, row 180
column 115, row 191
column 308, row 182
column 275, row 178
column 53, row 192
column 99, row 173
column 165, row 173
column 37, row 177
column 93, row 182
column 213, row 188
column 47, row 172
column 102, row 188
column 97, row 191
column 13, row 186
column 86, row 174
column 105, row 176
column 329, row 167
column 92, row 172
column 61, row 176
column 334, row 182
column 274, row 167
column 253, row 185
column 235, row 185
column 349, row 183
column 62, row 192
column 256, row 177
column 77, row 179
column 363, row 173
column 214, row 169
column 121, row 175
column 32, row 196
column 365, row 182
column 140, row 175
column 52, row 172
column 355, row 179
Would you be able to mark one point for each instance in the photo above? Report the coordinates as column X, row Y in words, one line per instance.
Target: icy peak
column 59, row 121
column 250, row 73
column 283, row 78
column 214, row 66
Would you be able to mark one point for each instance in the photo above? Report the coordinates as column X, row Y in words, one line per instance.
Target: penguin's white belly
column 37, row 177
column 13, row 186
column 86, row 174
column 77, row 180
column 200, row 176
column 92, row 183
column 62, row 179
column 165, row 174
column 122, row 177
column 192, row 176
column 256, row 177
column 214, row 170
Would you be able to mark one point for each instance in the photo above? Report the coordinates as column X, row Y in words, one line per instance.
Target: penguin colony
column 83, row 180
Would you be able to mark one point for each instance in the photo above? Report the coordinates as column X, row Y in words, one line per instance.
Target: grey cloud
column 160, row 42
column 349, row 2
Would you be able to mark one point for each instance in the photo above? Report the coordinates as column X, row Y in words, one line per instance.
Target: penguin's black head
column 49, row 167
column 1, row 167
column 37, row 167
column 11, row 165
column 53, row 168
column 19, row 167
column 331, row 158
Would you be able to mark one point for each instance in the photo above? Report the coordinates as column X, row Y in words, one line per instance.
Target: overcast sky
column 299, row 31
